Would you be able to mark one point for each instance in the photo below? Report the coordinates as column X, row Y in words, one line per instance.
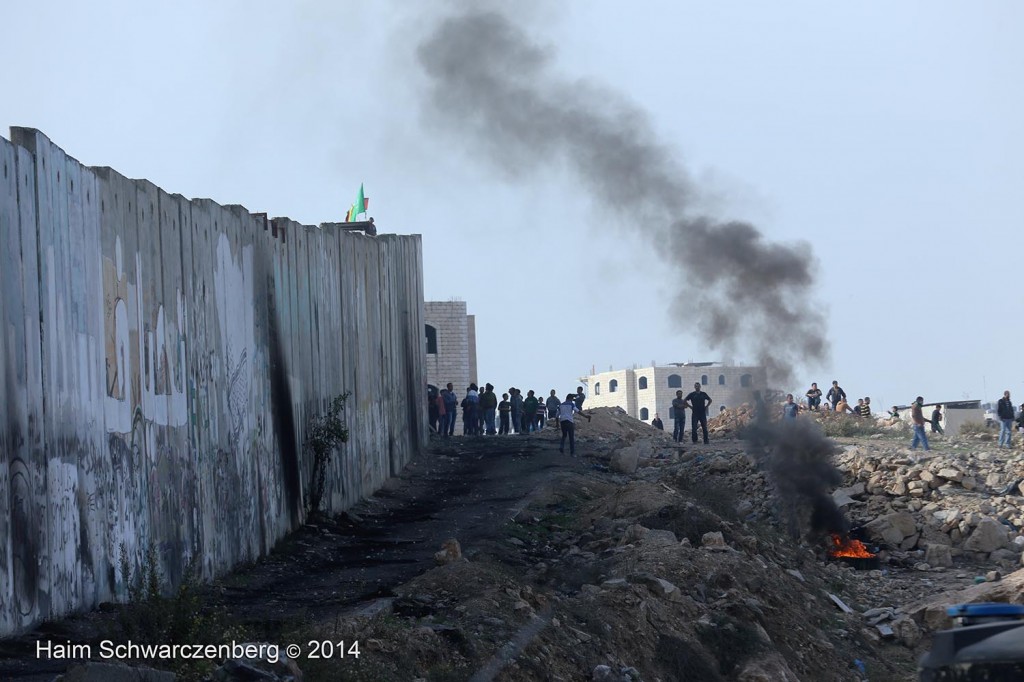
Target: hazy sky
column 888, row 136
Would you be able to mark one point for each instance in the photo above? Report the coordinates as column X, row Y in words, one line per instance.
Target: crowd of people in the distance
column 483, row 414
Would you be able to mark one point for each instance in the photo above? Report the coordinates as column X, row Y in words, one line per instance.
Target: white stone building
column 450, row 344
column 646, row 391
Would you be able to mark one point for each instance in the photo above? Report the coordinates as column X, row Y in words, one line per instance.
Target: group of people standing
column 484, row 414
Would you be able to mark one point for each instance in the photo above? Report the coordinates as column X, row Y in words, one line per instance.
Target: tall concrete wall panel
column 138, row 376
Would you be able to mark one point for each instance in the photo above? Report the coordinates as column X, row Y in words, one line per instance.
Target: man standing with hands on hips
column 698, row 402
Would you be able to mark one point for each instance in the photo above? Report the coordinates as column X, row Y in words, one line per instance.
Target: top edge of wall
column 29, row 138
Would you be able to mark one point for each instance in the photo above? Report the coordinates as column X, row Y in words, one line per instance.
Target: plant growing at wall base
column 324, row 433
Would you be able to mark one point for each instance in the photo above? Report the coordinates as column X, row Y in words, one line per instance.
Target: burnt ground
column 465, row 489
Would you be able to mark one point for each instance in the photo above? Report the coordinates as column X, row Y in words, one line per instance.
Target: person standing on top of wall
column 836, row 394
column 451, row 401
column 566, row 411
column 552, row 404
column 698, row 402
column 678, row 411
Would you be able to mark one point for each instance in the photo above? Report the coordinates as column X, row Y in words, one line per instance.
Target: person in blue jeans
column 451, row 401
column 917, row 416
column 566, row 411
column 1005, row 411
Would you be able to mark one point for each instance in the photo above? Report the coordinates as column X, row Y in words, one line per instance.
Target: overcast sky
column 889, row 136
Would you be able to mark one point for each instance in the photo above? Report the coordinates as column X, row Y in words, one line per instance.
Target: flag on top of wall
column 361, row 205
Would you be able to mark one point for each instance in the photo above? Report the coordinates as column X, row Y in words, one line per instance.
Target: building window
column 643, row 383
column 431, row 340
column 703, row 379
column 613, row 386
column 597, row 388
column 644, row 414
column 746, row 380
column 675, row 381
column 721, row 380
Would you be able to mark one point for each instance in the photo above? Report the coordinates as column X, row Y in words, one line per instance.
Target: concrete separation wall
column 160, row 360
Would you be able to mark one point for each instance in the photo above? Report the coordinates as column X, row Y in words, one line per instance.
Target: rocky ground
column 643, row 560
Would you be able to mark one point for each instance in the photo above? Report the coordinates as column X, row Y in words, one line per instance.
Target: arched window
column 644, row 414
column 431, row 340
column 642, row 383
column 746, row 380
column 703, row 379
column 675, row 381
column 597, row 388
column 721, row 380
column 613, row 386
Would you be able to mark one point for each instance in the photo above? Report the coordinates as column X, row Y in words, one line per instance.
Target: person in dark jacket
column 552, row 404
column 451, row 401
column 1004, row 408
column 698, row 402
column 937, row 419
column 530, row 406
column 835, row 395
column 489, row 404
column 657, row 423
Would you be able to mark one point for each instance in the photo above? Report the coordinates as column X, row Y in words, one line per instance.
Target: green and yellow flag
column 361, row 204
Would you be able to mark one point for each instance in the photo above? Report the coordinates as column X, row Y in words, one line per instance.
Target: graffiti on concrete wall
column 138, row 378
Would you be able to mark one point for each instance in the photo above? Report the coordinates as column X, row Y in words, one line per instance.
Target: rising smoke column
column 490, row 84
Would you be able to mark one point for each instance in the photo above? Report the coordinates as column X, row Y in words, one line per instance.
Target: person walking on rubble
column 813, row 397
column 566, row 412
column 836, row 394
column 579, row 397
column 698, row 402
column 917, row 417
column 937, row 420
column 1004, row 410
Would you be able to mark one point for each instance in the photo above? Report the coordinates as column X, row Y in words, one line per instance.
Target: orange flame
column 846, row 547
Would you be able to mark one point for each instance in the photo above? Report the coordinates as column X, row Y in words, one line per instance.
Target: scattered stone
column 451, row 551
column 714, row 541
column 989, row 536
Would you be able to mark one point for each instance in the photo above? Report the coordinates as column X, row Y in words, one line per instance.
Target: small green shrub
column 324, row 433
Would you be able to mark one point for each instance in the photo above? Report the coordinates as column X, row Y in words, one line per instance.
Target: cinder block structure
column 646, row 391
column 451, row 344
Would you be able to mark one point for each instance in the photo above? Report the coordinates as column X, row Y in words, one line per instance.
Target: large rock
column 893, row 528
column 989, row 536
column 625, row 460
column 770, row 668
column 938, row 555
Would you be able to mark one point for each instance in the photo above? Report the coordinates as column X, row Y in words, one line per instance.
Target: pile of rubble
column 947, row 504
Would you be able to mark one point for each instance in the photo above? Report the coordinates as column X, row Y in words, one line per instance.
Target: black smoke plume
column 493, row 86
column 798, row 457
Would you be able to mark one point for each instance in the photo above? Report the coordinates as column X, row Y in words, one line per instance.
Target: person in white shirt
column 566, row 411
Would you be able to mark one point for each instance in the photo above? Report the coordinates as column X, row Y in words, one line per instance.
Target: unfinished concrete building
column 450, row 344
column 646, row 391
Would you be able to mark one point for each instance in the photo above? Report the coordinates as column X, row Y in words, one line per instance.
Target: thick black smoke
column 493, row 86
column 798, row 457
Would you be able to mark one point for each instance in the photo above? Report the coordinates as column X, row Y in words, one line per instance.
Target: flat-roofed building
column 645, row 391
